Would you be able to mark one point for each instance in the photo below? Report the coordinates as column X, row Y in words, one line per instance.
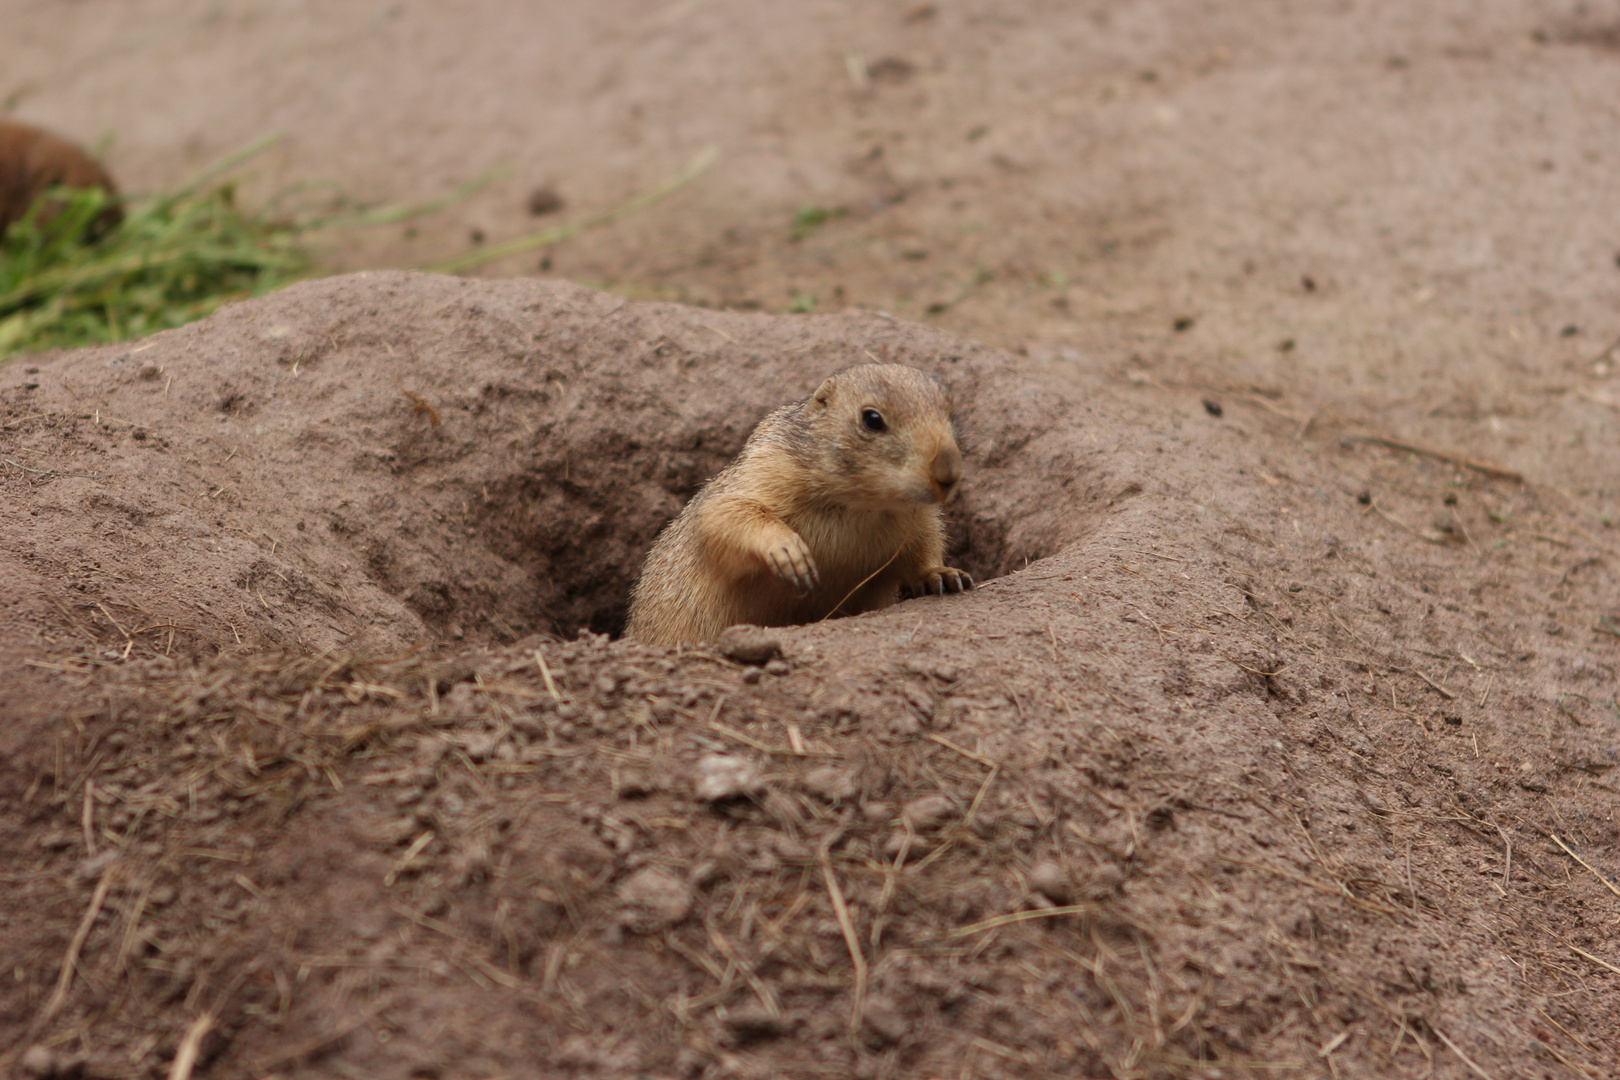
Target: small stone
column 482, row 745
column 149, row 372
column 931, row 669
column 543, row 200
column 748, row 645
column 913, row 845
column 658, row 896
column 832, row 783
column 719, row 777
column 903, row 725
column 635, row 782
column 1104, row 881
column 884, row 1020
column 38, row 1061
column 93, row 866
column 752, row 675
column 927, row 812
column 1050, row 880
column 46, row 1064
column 777, row 667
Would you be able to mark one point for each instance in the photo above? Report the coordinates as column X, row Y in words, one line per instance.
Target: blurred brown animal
column 33, row 161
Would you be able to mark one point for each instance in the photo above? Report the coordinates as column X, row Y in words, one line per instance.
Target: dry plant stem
column 185, row 1058
column 545, row 238
column 70, row 961
column 1449, row 695
column 1606, row 882
column 1334, row 1043
column 862, row 584
column 545, row 673
column 1018, row 917
column 1594, row 959
column 411, row 853
column 851, row 940
column 969, row 754
column 1455, row 1049
column 298, row 1051
column 50, row 472
column 1455, row 459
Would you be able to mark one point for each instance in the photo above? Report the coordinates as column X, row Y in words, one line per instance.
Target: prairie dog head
column 33, row 161
column 885, row 437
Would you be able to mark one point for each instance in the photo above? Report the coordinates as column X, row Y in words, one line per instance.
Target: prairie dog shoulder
column 834, row 505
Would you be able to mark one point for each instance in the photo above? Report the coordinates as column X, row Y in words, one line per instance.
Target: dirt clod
column 543, row 200
column 44, row 1063
column 927, row 812
column 720, row 777
column 884, row 1020
column 749, row 645
column 1052, row 881
column 655, row 898
column 832, row 782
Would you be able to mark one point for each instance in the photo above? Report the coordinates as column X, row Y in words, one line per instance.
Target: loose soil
column 1279, row 740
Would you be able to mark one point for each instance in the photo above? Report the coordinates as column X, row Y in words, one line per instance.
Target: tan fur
column 815, row 504
column 34, row 161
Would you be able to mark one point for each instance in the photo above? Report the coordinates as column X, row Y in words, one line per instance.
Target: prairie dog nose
column 946, row 471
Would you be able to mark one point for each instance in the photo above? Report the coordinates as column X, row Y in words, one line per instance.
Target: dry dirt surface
column 1281, row 739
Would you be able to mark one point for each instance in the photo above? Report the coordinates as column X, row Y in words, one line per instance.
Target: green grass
column 171, row 260
column 810, row 218
column 176, row 256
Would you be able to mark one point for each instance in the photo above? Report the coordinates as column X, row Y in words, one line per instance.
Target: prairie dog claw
column 937, row 582
column 792, row 562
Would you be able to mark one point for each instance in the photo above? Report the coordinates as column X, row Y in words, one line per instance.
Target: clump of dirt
column 322, row 761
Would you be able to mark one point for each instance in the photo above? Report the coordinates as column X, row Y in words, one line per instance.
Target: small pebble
column 1050, row 880
column 927, row 812
column 884, row 1020
column 718, row 777
column 832, row 783
column 635, row 782
column 543, row 200
column 776, row 667
column 658, row 895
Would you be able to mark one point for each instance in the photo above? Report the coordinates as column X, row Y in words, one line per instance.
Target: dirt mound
column 1229, row 768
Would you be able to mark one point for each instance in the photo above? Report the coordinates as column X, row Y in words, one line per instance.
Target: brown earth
column 1279, row 742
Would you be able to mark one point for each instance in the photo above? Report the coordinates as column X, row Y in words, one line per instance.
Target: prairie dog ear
column 823, row 393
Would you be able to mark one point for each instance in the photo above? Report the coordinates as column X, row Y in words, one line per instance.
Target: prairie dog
column 34, row 161
column 834, row 506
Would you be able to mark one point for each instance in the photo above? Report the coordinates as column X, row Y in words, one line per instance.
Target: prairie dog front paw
column 792, row 562
column 938, row 581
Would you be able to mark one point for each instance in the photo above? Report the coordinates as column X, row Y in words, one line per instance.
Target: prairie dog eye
column 872, row 420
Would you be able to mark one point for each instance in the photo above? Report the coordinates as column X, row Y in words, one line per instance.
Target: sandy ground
column 1279, row 743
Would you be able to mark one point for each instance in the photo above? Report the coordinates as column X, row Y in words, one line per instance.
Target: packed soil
column 1279, row 738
